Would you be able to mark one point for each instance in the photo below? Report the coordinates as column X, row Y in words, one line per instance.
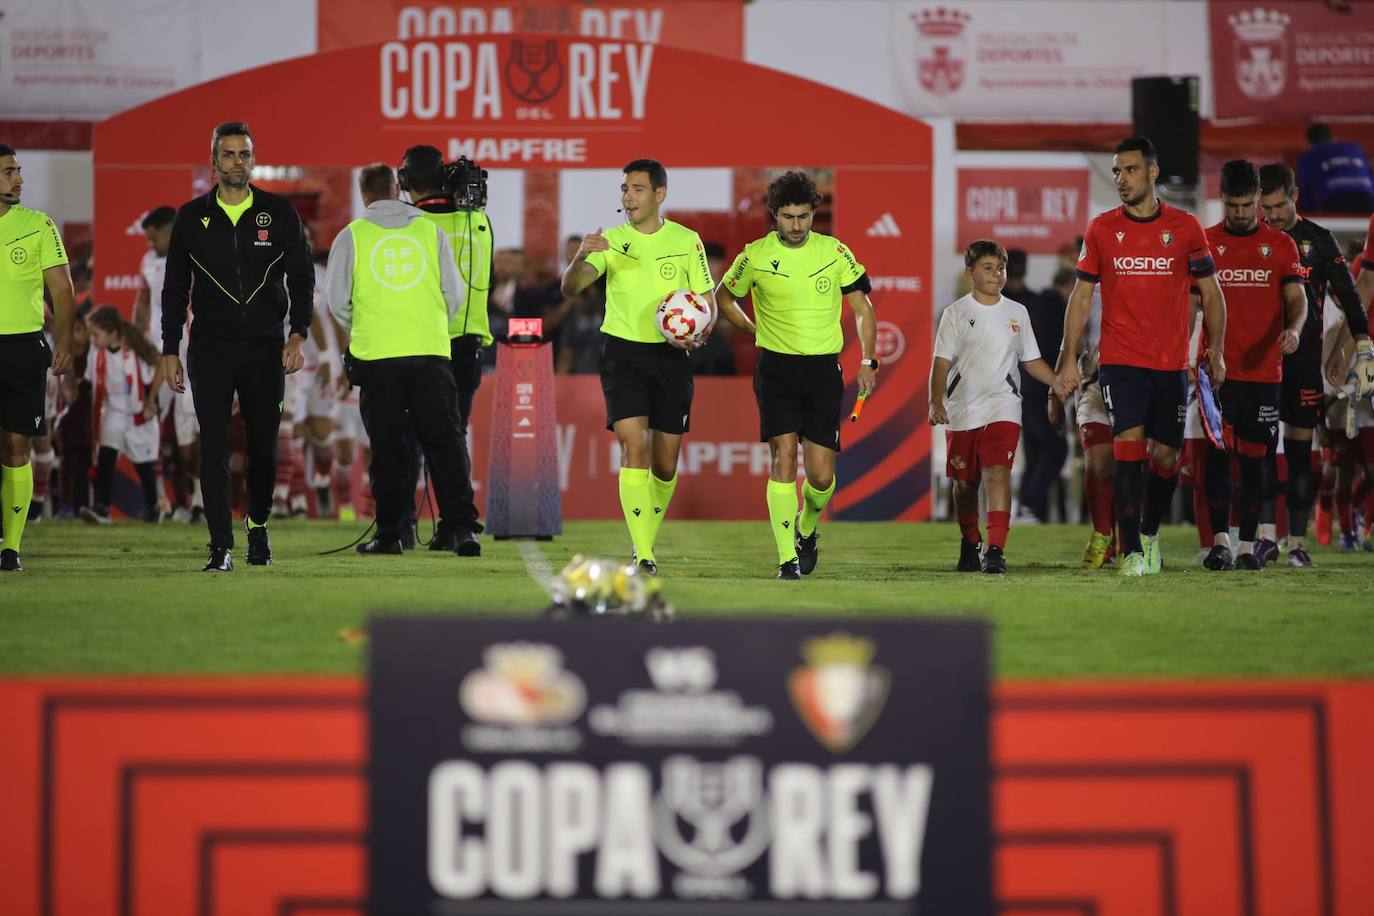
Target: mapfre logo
column 941, row 50
column 1260, row 51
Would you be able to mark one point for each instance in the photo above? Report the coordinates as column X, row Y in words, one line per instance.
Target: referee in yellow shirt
column 797, row 279
column 34, row 256
column 646, row 380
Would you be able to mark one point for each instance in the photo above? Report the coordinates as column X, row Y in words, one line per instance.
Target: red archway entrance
column 539, row 101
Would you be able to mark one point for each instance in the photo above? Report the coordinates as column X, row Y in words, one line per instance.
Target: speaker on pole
column 1164, row 108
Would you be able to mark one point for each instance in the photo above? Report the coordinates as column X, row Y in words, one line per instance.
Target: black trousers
column 219, row 369
column 466, row 363
column 1045, row 451
column 420, row 391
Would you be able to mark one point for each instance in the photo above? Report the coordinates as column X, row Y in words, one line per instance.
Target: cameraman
column 395, row 300
column 452, row 197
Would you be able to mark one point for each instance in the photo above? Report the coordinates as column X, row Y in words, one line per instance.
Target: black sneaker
column 807, row 553
column 444, row 540
column 1249, row 561
column 259, row 544
column 1219, row 559
column 221, row 560
column 649, row 566
column 969, row 559
column 9, row 561
column 95, row 515
column 790, row 570
column 467, row 545
column 324, row 502
column 377, row 547
column 994, row 563
column 408, row 537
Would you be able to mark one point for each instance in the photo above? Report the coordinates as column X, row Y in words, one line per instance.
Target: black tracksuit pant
column 219, row 369
column 417, row 390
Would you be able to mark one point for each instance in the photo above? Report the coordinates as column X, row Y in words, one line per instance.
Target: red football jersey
column 1252, row 270
column 1145, row 267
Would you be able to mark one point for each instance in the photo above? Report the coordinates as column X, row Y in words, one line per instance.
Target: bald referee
column 799, row 280
column 34, row 257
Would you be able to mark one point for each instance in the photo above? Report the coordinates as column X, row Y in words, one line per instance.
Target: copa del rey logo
column 941, row 50
column 1260, row 51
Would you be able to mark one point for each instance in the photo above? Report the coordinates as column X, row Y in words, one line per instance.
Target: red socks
column 998, row 523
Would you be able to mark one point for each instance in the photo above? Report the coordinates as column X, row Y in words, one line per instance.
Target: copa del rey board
column 521, row 767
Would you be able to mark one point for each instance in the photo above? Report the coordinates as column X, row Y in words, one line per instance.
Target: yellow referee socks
column 16, row 492
column 782, row 514
column 661, row 496
column 813, row 503
column 636, row 499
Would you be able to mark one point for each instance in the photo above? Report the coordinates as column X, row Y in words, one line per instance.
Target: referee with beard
column 237, row 256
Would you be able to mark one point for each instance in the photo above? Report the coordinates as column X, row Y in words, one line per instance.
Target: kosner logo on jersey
column 712, row 761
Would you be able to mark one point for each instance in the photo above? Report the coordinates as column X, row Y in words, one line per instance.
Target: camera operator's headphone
column 424, row 159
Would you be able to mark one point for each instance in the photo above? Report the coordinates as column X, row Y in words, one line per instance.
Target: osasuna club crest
column 1166, row 237
column 838, row 694
column 1306, row 245
column 1266, row 250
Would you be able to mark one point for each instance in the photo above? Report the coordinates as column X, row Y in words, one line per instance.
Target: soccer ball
column 683, row 315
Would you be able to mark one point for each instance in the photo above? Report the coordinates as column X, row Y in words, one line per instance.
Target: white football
column 683, row 315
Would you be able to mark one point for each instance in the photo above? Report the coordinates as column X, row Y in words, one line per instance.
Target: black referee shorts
column 1301, row 404
column 24, row 363
column 651, row 380
column 799, row 394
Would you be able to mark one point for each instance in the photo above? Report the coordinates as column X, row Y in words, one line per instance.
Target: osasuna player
column 1145, row 254
column 799, row 281
column 646, row 379
column 1326, row 273
column 1095, row 435
column 1260, row 274
column 982, row 339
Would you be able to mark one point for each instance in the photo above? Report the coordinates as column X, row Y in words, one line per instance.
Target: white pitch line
column 536, row 564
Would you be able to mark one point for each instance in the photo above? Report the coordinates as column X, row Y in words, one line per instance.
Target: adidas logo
column 885, row 227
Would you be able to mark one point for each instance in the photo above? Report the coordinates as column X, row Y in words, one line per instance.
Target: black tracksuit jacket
column 237, row 278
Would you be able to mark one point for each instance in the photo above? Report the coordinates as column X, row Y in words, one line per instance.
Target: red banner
column 716, row 26
column 1037, row 210
column 160, row 797
column 1291, row 58
column 884, row 468
column 723, row 468
column 121, row 202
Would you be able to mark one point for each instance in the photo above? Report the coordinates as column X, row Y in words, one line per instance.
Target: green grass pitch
column 129, row 599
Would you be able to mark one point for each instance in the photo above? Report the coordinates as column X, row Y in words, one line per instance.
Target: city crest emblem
column 1260, row 51
column 941, row 50
column 839, row 694
column 1166, row 237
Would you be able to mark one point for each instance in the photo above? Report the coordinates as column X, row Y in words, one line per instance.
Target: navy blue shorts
column 1156, row 399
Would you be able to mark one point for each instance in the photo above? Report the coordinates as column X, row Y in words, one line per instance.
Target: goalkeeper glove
column 1364, row 368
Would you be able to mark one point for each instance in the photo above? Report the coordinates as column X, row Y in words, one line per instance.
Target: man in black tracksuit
column 236, row 255
column 1301, row 400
